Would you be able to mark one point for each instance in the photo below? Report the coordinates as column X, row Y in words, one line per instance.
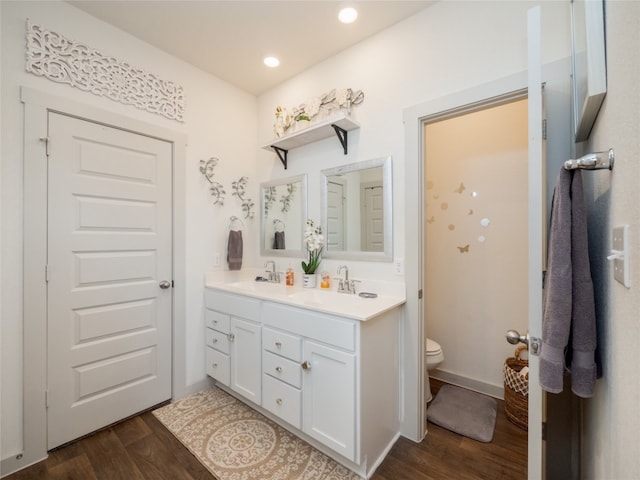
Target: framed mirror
column 283, row 204
column 589, row 82
column 357, row 211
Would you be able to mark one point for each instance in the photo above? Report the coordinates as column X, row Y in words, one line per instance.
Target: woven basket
column 516, row 389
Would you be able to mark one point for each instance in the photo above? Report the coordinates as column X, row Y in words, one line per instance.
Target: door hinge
column 544, row 431
column 46, row 398
column 46, row 273
column 420, row 294
column 46, row 141
column 544, row 129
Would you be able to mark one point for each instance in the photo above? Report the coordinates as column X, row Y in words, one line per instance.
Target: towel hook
column 592, row 161
column 233, row 219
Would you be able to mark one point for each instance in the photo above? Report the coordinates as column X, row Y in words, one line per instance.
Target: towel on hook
column 569, row 320
column 278, row 241
column 234, row 250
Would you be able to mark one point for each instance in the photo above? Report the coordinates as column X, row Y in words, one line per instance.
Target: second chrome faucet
column 344, row 284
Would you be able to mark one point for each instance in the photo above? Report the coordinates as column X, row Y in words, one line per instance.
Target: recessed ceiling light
column 272, row 62
column 348, row 15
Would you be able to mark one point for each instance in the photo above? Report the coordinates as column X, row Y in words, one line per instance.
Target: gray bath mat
column 465, row 412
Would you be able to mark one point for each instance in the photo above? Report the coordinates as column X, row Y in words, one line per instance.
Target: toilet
column 433, row 357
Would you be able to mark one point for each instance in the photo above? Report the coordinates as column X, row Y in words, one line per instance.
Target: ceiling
column 230, row 38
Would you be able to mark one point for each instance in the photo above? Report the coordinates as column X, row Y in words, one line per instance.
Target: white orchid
column 314, row 240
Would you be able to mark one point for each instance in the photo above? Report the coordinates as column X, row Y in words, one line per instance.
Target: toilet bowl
column 433, row 357
column 433, row 354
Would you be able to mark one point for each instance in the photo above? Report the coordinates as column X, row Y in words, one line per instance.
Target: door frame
column 499, row 91
column 37, row 106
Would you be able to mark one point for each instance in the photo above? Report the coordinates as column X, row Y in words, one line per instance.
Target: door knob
column 164, row 284
column 306, row 365
column 514, row 337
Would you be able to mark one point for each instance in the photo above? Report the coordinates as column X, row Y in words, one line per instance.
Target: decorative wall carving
column 61, row 60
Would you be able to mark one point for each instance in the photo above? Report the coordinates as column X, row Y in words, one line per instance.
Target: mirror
column 589, row 80
column 283, row 204
column 357, row 214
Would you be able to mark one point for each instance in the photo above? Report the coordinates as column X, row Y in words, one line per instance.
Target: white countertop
column 390, row 294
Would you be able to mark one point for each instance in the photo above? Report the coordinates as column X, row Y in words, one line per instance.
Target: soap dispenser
column 289, row 277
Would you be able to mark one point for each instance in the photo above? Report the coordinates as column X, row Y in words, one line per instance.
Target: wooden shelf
column 337, row 125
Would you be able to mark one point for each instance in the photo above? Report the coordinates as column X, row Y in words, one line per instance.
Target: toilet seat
column 433, row 348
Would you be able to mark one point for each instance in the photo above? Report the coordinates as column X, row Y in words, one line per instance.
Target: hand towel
column 278, row 241
column 234, row 250
column 569, row 305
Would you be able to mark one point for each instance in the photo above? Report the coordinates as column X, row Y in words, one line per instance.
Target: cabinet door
column 246, row 359
column 329, row 397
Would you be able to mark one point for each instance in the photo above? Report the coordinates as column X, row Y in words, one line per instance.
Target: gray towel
column 569, row 307
column 278, row 241
column 234, row 250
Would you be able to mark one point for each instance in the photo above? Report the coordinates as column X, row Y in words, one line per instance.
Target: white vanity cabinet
column 332, row 380
column 234, row 342
column 327, row 360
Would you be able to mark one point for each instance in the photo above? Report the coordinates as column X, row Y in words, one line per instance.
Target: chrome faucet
column 344, row 284
column 346, row 272
column 272, row 275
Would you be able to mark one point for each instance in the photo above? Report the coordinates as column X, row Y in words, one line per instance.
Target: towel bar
column 592, row 161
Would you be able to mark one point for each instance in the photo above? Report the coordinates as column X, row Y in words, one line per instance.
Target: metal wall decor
column 61, row 60
column 239, row 190
column 216, row 188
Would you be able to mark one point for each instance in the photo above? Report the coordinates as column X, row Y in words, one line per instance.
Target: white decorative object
column 317, row 107
column 61, row 60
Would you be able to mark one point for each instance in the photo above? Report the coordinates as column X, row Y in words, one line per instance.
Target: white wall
column 219, row 121
column 612, row 416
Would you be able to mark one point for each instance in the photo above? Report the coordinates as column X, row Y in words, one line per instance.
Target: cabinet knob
column 215, row 340
column 214, row 365
column 279, row 401
column 278, row 369
column 306, row 365
column 278, row 345
column 230, row 337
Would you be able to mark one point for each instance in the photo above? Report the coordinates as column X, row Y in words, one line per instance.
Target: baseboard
column 470, row 383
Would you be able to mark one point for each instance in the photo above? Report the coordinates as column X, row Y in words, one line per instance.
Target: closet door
column 109, row 275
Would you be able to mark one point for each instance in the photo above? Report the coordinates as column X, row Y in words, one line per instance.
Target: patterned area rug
column 236, row 442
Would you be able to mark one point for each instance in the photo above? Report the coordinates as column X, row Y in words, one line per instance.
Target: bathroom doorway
column 476, row 239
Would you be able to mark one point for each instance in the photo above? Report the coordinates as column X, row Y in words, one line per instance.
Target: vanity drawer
column 236, row 305
column 333, row 330
column 281, row 368
column 218, row 366
column 284, row 344
column 217, row 321
column 218, row 340
column 282, row 400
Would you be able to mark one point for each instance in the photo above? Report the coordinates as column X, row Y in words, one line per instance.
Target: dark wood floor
column 141, row 448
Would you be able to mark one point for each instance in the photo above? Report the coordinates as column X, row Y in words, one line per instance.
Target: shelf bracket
column 342, row 136
column 282, row 154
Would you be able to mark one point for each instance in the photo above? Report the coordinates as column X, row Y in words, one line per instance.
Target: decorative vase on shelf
column 301, row 122
column 309, row 280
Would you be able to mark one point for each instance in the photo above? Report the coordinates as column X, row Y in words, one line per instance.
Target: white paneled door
column 109, row 275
